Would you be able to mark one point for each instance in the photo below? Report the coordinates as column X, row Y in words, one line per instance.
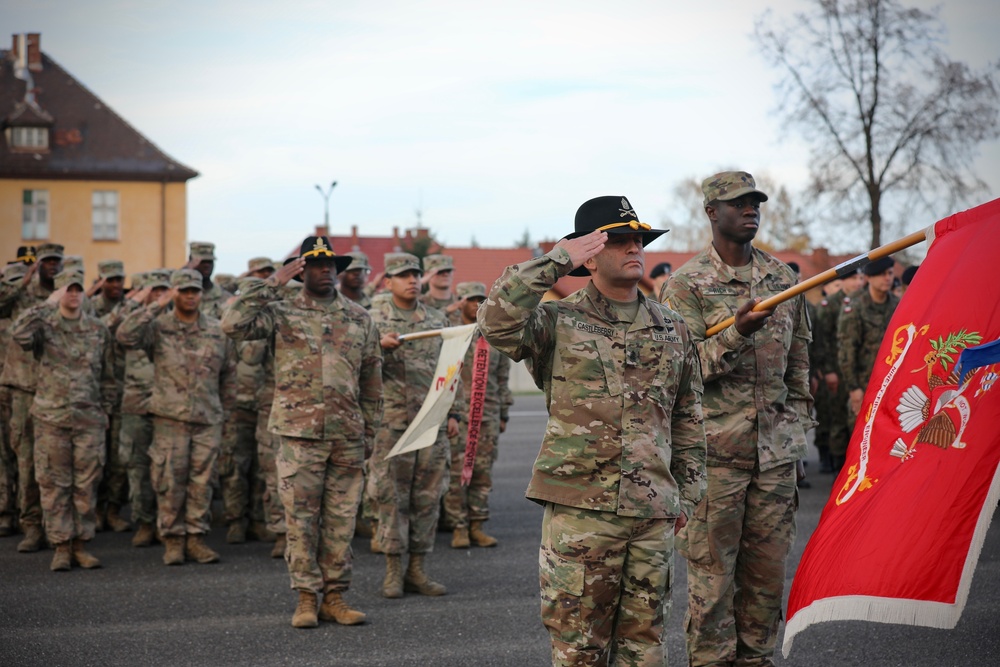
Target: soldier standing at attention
column 75, row 393
column 194, row 388
column 439, row 274
column 860, row 329
column 757, row 406
column 622, row 463
column 354, row 277
column 12, row 275
column 327, row 405
column 467, row 508
column 20, row 371
column 213, row 296
column 407, row 488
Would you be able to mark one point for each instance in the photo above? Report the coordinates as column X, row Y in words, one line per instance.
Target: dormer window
column 30, row 137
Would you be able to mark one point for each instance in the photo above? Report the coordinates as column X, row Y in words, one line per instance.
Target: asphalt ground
column 136, row 611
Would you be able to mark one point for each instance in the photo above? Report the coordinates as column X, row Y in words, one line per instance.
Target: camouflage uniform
column 831, row 409
column 740, row 534
column 623, row 455
column 433, row 264
column 194, row 388
column 860, row 330
column 327, row 405
column 463, row 504
column 12, row 274
column 19, row 375
column 213, row 299
column 359, row 262
column 75, row 392
column 406, row 490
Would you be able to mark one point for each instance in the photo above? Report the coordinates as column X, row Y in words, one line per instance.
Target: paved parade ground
column 136, row 611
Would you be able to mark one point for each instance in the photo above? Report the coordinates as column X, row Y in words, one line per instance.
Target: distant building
column 72, row 171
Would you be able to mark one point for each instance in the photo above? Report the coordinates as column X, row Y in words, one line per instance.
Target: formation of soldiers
column 287, row 393
column 148, row 403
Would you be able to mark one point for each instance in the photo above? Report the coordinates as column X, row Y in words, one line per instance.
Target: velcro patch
column 666, row 338
column 720, row 291
column 595, row 329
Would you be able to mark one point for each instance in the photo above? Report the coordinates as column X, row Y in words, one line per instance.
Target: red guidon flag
column 900, row 536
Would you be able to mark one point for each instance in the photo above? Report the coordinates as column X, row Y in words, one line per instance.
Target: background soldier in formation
column 76, row 391
column 20, row 372
column 439, row 275
column 757, row 406
column 13, row 273
column 352, row 280
column 467, row 508
column 406, row 490
column 860, row 329
column 327, row 405
column 623, row 459
column 194, row 388
column 213, row 297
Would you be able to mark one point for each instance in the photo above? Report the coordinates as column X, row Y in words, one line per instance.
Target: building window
column 105, row 215
column 30, row 137
column 35, row 215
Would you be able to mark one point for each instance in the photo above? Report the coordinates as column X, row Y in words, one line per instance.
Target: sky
column 490, row 118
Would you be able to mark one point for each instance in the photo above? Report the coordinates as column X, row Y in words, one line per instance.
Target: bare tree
column 894, row 124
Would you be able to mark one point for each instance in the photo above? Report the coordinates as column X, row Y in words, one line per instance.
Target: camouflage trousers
column 463, row 504
column 736, row 545
column 134, row 440
column 831, row 412
column 267, row 453
column 183, row 464
column 320, row 487
column 605, row 586
column 113, row 488
column 8, row 466
column 239, row 469
column 407, row 491
column 68, row 465
column 22, row 441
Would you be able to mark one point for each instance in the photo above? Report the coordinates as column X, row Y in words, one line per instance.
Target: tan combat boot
column 237, row 533
column 392, row 585
column 479, row 538
column 115, row 520
column 198, row 551
column 82, row 558
column 334, row 608
column 33, row 539
column 460, row 538
column 174, row 555
column 362, row 527
column 305, row 611
column 417, row 581
column 278, row 551
column 144, row 536
column 260, row 532
column 61, row 562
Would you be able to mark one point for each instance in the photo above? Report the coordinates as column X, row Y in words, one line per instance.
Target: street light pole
column 326, row 204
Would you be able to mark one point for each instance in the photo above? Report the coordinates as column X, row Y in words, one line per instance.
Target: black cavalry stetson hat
column 614, row 215
column 319, row 247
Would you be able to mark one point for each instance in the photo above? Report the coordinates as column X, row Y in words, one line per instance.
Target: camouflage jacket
column 437, row 304
column 250, row 373
column 408, row 370
column 757, row 402
column 20, row 366
column 365, row 301
column 327, row 362
column 76, row 384
column 102, row 305
column 825, row 331
column 860, row 329
column 213, row 301
column 194, row 365
column 625, row 432
column 138, row 373
column 498, row 397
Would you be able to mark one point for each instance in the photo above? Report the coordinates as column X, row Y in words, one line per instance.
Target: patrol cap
column 14, row 272
column 908, row 274
column 436, row 263
column 138, row 280
column 226, row 281
column 398, row 262
column 65, row 278
column 159, row 278
column 260, row 263
column 729, row 185
column 359, row 260
column 47, row 250
column 185, row 279
column 879, row 266
column 202, row 250
column 73, row 263
column 612, row 214
column 470, row 290
column 111, row 268
column 26, row 254
column 660, row 269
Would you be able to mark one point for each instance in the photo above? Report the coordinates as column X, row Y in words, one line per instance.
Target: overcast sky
column 490, row 117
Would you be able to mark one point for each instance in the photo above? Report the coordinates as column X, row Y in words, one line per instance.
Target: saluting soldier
column 213, row 296
column 327, row 405
column 12, row 274
column 622, row 462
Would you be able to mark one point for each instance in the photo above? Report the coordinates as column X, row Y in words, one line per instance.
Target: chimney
column 34, row 51
column 396, row 247
column 355, row 246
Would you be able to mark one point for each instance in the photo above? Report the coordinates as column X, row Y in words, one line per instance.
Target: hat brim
column 48, row 255
column 736, row 194
column 341, row 262
column 648, row 236
column 404, row 270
